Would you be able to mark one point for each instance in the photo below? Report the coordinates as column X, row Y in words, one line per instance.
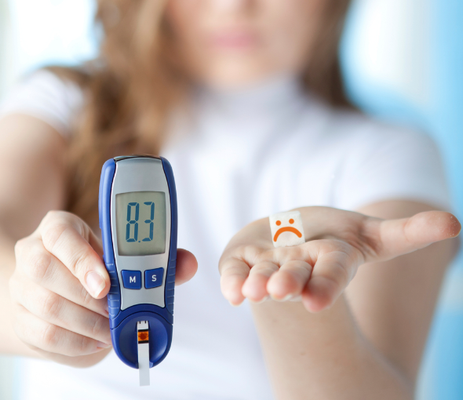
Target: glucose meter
column 138, row 222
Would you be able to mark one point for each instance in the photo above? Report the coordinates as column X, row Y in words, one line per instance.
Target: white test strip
column 143, row 352
column 287, row 229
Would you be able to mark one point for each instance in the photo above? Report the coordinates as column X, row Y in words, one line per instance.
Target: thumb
column 72, row 242
column 401, row 236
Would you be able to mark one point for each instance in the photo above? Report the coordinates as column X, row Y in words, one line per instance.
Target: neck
column 260, row 96
column 260, row 110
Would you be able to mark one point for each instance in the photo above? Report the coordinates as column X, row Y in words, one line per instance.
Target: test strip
column 143, row 352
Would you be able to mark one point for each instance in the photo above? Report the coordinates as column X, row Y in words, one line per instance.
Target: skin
column 337, row 243
column 362, row 321
column 46, row 255
column 233, row 43
column 303, row 338
column 376, row 343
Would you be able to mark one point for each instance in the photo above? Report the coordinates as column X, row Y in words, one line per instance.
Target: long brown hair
column 133, row 84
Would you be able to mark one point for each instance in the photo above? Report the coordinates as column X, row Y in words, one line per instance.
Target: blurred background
column 403, row 61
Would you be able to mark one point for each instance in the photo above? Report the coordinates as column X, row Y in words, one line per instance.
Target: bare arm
column 53, row 280
column 394, row 301
column 32, row 179
column 368, row 343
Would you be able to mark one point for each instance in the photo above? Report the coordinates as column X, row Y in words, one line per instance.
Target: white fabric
column 243, row 156
column 43, row 95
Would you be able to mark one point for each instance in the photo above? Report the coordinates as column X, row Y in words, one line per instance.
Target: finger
column 40, row 334
column 41, row 267
column 95, row 242
column 66, row 237
column 330, row 276
column 187, row 265
column 83, row 361
column 290, row 280
column 401, row 236
column 255, row 287
column 234, row 274
column 59, row 311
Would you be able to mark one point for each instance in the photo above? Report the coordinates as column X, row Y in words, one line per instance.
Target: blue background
column 442, row 372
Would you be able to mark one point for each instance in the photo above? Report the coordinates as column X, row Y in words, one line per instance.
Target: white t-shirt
column 245, row 155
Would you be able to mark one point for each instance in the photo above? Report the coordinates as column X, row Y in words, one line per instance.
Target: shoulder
column 374, row 142
column 47, row 97
column 372, row 161
column 353, row 136
column 362, row 131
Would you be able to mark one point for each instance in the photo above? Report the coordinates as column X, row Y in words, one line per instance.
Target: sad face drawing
column 287, row 229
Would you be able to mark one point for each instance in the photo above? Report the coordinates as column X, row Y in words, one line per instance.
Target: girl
column 245, row 99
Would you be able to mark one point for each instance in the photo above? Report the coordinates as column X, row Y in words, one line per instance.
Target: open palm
column 337, row 243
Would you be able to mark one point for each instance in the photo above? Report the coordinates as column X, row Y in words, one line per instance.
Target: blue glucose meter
column 138, row 222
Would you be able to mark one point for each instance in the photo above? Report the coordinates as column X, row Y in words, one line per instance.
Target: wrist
column 290, row 320
column 306, row 352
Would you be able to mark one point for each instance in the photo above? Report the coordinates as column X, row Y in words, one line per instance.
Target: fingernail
column 102, row 345
column 286, row 298
column 260, row 301
column 234, row 305
column 95, row 283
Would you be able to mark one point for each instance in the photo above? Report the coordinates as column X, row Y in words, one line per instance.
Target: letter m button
column 131, row 279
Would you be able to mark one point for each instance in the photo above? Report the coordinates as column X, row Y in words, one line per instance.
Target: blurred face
column 230, row 43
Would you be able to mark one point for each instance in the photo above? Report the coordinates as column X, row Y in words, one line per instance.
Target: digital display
column 141, row 223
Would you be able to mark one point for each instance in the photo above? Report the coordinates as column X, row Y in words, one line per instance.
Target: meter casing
column 127, row 306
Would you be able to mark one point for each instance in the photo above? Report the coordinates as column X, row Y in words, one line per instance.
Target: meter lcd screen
column 141, row 223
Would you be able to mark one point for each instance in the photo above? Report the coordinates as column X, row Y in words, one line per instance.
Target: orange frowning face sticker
column 287, row 229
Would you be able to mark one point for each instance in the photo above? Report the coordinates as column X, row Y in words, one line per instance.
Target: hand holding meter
column 138, row 221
